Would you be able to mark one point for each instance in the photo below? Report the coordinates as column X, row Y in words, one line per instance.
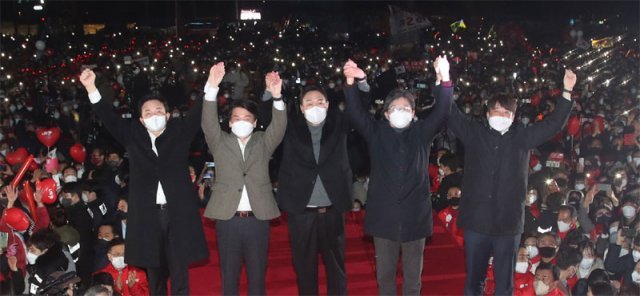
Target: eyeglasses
column 399, row 108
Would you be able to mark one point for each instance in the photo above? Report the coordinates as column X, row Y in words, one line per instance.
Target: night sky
column 162, row 13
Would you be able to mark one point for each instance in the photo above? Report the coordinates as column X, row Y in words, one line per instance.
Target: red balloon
column 16, row 219
column 573, row 126
column 48, row 136
column 78, row 153
column 17, row 157
column 49, row 189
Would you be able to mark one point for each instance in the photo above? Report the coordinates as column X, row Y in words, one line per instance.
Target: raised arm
column 118, row 127
column 444, row 95
column 354, row 109
column 544, row 130
column 210, row 121
column 276, row 129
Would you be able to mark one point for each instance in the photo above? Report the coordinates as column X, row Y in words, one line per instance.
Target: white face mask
column 533, row 251
column 500, row 123
column 635, row 276
column 525, row 120
column 400, row 119
column 31, row 257
column 636, row 160
column 563, row 226
column 636, row 255
column 70, row 179
column 116, row 103
column 85, row 198
column 332, row 85
column 241, row 128
column 521, row 267
column 537, row 168
column 12, row 108
column 579, row 186
column 531, row 198
column 315, row 115
column 628, row 212
column 155, row 123
column 586, row 263
column 118, row 263
column 540, row 287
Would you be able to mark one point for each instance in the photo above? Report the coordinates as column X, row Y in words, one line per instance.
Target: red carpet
column 443, row 272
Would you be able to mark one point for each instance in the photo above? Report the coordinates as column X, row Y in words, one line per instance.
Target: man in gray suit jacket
column 242, row 200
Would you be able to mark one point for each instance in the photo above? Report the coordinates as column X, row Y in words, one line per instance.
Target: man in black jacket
column 314, row 189
column 79, row 218
column 164, row 231
column 399, row 213
column 495, row 183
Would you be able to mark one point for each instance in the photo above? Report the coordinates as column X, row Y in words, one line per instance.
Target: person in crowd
column 523, row 278
column 568, row 262
column 590, row 261
column 531, row 211
column 451, row 168
column 449, row 215
column 44, row 257
column 79, row 218
column 165, row 234
column 98, row 290
column 242, row 201
column 128, row 280
column 103, row 279
column 106, row 233
column 314, row 190
column 360, row 187
column 623, row 265
column 547, row 281
column 567, row 220
column 548, row 247
column 496, row 170
column 398, row 214
column 120, row 216
column 98, row 209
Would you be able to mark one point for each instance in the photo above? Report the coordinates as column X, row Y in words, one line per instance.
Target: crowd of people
column 580, row 233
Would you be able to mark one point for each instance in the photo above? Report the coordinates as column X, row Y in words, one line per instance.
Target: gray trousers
column 243, row 239
column 387, row 253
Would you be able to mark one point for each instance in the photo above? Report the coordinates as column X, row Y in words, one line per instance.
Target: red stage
column 443, row 272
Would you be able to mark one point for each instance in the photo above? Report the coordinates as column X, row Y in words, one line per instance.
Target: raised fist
column 569, row 79
column 88, row 80
column 216, row 73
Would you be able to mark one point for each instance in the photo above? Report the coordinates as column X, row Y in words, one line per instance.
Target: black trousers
column 311, row 233
column 478, row 248
column 243, row 239
column 170, row 267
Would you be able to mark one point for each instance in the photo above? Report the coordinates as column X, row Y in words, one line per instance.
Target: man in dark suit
column 242, row 201
column 314, row 189
column 495, row 182
column 398, row 205
column 164, row 229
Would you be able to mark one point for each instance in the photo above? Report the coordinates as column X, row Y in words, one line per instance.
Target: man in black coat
column 164, row 229
column 495, row 183
column 80, row 219
column 315, row 190
column 399, row 214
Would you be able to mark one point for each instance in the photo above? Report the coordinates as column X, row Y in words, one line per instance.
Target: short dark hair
column 568, row 257
column 151, row 97
column 311, row 88
column 451, row 161
column 115, row 242
column 103, row 278
column 44, row 239
column 73, row 188
column 113, row 228
column 549, row 266
column 603, row 289
column 399, row 93
column 248, row 105
column 506, row 101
